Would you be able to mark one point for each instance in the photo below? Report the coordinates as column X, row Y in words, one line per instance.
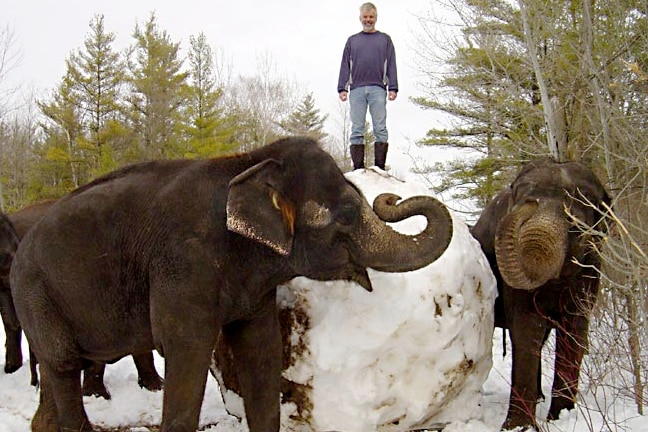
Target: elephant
column 14, row 227
column 8, row 246
column 547, row 271
column 22, row 220
column 168, row 254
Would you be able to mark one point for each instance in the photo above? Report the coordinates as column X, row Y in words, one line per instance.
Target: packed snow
column 372, row 357
column 405, row 355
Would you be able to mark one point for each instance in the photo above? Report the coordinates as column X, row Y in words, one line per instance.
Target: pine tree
column 491, row 93
column 306, row 120
column 62, row 164
column 207, row 126
column 158, row 92
column 96, row 76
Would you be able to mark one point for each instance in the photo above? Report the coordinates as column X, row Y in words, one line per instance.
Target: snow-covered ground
column 135, row 407
column 467, row 411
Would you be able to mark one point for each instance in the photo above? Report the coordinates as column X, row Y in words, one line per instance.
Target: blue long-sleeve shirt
column 368, row 59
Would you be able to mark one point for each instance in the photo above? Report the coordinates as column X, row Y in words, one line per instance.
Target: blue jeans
column 374, row 98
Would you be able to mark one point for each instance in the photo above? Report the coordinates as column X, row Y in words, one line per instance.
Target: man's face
column 368, row 20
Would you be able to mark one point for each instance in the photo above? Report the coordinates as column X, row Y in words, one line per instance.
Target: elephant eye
column 347, row 214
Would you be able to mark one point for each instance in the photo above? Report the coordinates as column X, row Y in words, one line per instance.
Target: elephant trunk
column 531, row 245
column 384, row 249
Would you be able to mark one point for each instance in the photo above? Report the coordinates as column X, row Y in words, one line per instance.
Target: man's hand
column 392, row 95
column 344, row 95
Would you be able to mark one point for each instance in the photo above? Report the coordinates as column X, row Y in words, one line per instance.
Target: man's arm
column 392, row 73
column 345, row 70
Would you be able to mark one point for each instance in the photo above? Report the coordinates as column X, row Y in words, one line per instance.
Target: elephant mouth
column 361, row 277
column 349, row 271
column 332, row 260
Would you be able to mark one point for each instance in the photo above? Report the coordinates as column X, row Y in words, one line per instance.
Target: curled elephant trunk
column 530, row 245
column 384, row 249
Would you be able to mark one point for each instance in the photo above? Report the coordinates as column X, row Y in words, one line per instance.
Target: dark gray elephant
column 93, row 384
column 547, row 275
column 8, row 246
column 19, row 222
column 168, row 254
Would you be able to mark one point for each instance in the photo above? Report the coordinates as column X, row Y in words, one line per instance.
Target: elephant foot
column 519, row 421
column 11, row 367
column 147, row 376
column 94, row 386
column 44, row 424
column 518, row 428
column 557, row 405
column 13, row 362
column 151, row 383
column 97, row 392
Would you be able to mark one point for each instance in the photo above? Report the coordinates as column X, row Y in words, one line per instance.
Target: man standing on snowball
column 367, row 79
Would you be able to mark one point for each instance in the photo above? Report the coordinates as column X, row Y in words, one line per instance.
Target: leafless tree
column 9, row 59
column 263, row 101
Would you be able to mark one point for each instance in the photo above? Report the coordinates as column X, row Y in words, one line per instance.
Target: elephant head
column 323, row 224
column 537, row 238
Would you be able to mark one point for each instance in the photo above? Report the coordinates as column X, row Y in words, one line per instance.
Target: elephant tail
column 33, row 362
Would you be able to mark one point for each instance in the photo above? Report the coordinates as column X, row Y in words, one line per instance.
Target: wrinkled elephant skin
column 547, row 275
column 93, row 384
column 167, row 254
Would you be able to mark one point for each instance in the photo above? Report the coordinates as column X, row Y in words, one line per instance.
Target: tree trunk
column 547, row 108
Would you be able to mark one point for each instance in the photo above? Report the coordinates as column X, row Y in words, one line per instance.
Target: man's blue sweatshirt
column 368, row 59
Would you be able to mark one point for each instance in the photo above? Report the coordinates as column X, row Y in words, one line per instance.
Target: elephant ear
column 258, row 210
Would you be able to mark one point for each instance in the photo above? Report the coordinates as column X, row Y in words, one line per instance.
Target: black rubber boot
column 380, row 154
column 357, row 155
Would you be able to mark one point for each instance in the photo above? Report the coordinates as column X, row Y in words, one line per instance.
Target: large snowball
column 412, row 353
column 399, row 357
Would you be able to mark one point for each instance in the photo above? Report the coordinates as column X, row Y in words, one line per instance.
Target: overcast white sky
column 304, row 40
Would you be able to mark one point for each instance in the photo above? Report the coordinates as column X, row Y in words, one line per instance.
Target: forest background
column 512, row 80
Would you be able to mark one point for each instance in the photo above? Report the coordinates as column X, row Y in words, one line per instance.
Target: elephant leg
column 527, row 332
column 187, row 360
column 148, row 377
column 257, row 352
column 570, row 348
column 45, row 418
column 61, row 393
column 93, row 381
column 13, row 332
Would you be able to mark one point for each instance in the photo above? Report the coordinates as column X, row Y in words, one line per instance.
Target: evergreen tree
column 490, row 91
column 208, row 128
column 62, row 162
column 158, row 89
column 306, row 120
column 96, row 76
column 543, row 79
